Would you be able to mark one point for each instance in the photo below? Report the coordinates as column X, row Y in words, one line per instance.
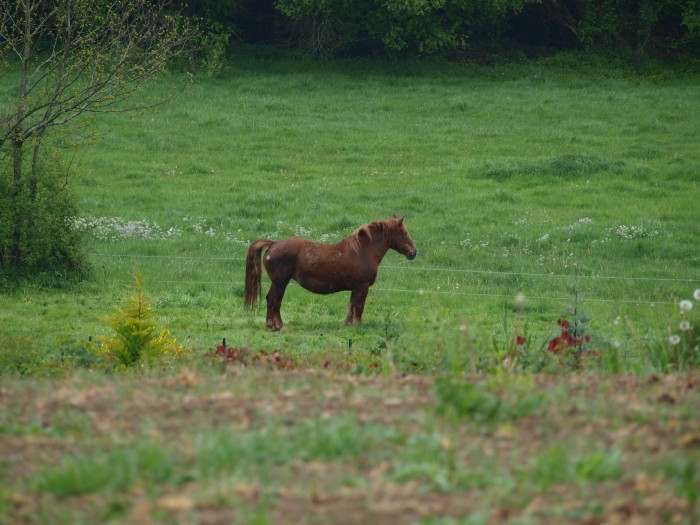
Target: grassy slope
column 550, row 176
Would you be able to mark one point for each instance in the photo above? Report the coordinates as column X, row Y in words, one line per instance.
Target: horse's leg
column 357, row 304
column 274, row 302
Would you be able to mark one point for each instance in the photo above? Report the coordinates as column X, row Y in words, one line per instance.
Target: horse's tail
column 253, row 272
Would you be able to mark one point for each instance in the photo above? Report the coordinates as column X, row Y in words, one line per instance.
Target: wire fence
column 427, row 269
column 569, row 277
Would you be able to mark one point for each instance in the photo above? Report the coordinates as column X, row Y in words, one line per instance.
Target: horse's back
column 318, row 267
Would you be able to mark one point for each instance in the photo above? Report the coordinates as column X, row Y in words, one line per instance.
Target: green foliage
column 691, row 20
column 19, row 357
column 338, row 438
column 213, row 11
column 214, row 45
column 27, row 358
column 501, row 398
column 558, row 465
column 137, row 340
column 118, row 470
column 467, row 400
column 93, row 59
column 649, row 25
column 683, row 472
column 209, row 49
column 421, row 27
column 454, row 27
column 36, row 220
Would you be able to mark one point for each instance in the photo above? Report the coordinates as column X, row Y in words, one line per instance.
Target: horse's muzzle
column 411, row 255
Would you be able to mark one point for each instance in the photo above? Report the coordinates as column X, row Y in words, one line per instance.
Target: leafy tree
column 643, row 26
column 70, row 59
column 422, row 27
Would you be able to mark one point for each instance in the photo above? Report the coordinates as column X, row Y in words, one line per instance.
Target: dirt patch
column 596, row 450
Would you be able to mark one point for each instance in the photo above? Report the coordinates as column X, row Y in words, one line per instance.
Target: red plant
column 566, row 339
column 569, row 345
column 280, row 360
column 244, row 357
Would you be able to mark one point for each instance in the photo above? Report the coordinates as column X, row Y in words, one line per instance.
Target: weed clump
column 684, row 338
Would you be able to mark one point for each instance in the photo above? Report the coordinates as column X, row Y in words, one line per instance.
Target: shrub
column 36, row 233
column 137, row 338
column 209, row 53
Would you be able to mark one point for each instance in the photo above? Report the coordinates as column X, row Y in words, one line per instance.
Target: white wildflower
column 696, row 295
column 684, row 326
column 631, row 232
column 686, row 305
column 674, row 340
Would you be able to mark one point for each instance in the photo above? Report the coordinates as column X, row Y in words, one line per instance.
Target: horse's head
column 400, row 241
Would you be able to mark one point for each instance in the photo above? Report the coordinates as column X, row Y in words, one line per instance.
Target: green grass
column 117, row 470
column 573, row 186
column 577, row 188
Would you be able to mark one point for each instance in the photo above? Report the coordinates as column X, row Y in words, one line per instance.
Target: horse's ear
column 393, row 215
column 400, row 220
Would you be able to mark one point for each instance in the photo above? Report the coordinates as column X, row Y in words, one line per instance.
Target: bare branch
column 95, row 57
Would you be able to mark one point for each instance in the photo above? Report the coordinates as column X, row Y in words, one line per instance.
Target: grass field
column 565, row 189
column 575, row 187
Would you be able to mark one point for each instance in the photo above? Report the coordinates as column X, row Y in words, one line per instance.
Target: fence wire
column 427, row 269
column 419, row 291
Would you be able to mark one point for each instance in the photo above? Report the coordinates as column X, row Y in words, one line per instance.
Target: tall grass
column 574, row 188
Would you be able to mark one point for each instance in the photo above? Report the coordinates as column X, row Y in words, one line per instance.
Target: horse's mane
column 353, row 240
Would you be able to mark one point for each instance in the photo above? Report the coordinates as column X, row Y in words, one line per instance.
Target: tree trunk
column 17, row 154
column 16, row 248
column 18, row 140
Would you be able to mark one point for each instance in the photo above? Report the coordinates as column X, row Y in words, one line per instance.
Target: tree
column 72, row 58
column 418, row 27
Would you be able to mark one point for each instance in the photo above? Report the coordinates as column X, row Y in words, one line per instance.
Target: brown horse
column 350, row 264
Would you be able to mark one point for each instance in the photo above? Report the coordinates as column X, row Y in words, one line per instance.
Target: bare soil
column 652, row 421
